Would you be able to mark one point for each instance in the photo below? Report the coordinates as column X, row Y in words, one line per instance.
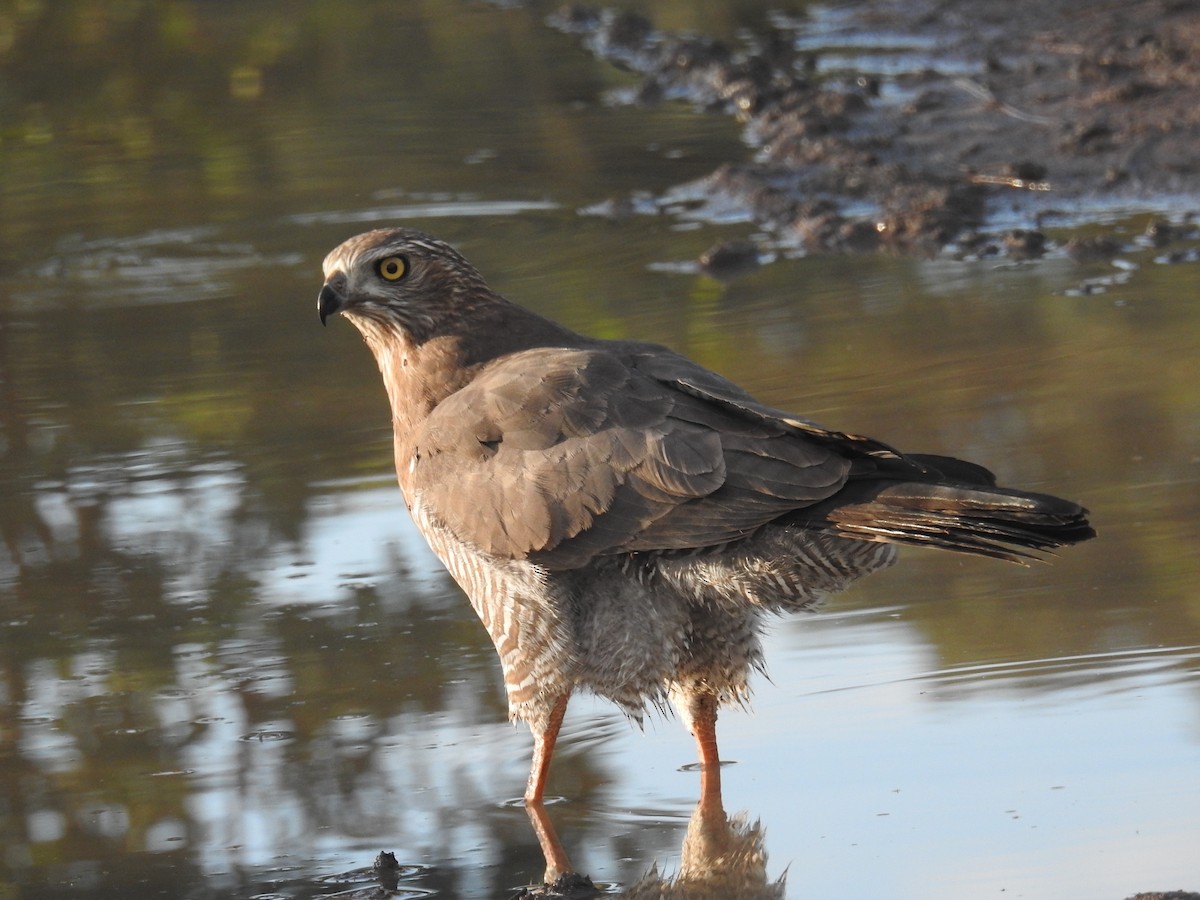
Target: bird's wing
column 704, row 384
column 560, row 456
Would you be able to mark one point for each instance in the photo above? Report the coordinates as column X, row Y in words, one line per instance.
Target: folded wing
column 564, row 455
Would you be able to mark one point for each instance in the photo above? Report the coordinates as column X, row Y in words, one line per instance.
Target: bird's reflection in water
column 722, row 857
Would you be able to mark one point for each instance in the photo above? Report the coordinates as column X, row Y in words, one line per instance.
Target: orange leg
column 543, row 749
column 557, row 862
column 704, row 728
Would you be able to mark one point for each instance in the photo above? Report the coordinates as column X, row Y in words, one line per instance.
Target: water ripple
column 1165, row 664
column 431, row 210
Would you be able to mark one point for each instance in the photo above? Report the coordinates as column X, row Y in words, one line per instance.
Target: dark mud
column 918, row 125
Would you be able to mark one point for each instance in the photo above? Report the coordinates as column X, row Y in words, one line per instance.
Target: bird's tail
column 979, row 519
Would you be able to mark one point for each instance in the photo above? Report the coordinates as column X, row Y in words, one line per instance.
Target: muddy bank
column 917, row 125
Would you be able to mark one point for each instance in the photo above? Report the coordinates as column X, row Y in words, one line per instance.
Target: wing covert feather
column 563, row 455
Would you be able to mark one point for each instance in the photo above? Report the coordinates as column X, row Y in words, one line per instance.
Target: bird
column 622, row 519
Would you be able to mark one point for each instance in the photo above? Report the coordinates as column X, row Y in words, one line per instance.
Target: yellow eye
column 392, row 268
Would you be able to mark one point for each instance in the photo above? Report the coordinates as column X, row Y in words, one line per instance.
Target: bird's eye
column 392, row 268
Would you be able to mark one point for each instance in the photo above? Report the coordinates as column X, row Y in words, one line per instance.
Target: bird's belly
column 518, row 608
column 783, row 569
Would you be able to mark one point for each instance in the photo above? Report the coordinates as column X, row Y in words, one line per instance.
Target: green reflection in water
column 186, row 457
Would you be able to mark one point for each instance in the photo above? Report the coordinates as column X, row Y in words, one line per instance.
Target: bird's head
column 401, row 283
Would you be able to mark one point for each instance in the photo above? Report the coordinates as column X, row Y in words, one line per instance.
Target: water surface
column 231, row 668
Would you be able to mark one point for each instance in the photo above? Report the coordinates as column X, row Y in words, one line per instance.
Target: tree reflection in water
column 200, row 541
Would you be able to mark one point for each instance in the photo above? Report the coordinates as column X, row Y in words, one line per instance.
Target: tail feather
column 985, row 521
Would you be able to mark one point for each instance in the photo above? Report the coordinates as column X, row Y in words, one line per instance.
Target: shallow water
column 231, row 668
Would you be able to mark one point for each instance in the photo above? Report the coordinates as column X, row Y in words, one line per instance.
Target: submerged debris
column 570, row 886
column 728, row 260
column 387, row 870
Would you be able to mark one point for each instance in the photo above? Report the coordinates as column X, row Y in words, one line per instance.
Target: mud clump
column 1002, row 111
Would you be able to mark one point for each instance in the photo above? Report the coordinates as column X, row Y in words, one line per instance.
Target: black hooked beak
column 329, row 301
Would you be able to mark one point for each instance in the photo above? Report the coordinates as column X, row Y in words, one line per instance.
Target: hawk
column 621, row 518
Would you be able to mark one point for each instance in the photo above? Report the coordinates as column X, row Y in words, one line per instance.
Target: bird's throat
column 418, row 377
